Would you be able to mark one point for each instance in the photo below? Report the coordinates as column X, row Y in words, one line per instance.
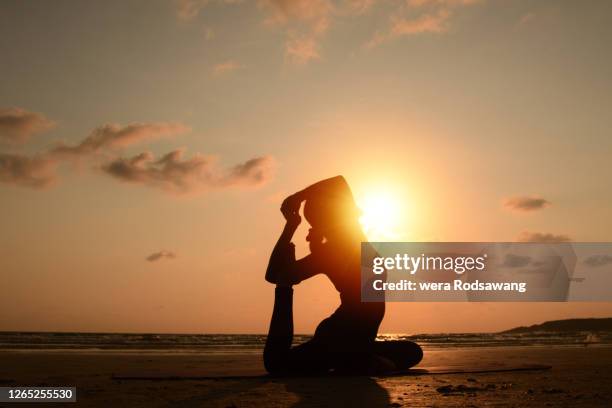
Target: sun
column 381, row 215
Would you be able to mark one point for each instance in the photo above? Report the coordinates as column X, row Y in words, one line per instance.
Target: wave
column 244, row 342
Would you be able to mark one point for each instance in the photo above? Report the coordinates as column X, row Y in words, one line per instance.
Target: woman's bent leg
column 280, row 334
column 279, row 357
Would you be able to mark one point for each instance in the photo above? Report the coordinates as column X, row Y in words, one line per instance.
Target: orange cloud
column 527, row 203
column 114, row 136
column 433, row 17
column 174, row 174
column 189, row 9
column 225, row 67
column 35, row 172
column 156, row 256
column 170, row 173
column 527, row 236
column 300, row 50
column 306, row 21
column 427, row 23
column 316, row 14
column 18, row 125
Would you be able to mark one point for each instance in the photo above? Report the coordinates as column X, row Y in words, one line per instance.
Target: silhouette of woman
column 345, row 341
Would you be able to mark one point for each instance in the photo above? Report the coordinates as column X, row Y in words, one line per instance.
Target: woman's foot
column 404, row 354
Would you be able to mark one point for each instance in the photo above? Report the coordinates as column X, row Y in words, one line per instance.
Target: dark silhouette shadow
column 345, row 391
column 356, row 391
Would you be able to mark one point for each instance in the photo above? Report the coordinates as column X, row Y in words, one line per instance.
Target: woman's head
column 329, row 206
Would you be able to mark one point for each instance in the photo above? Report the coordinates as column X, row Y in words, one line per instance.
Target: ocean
column 253, row 343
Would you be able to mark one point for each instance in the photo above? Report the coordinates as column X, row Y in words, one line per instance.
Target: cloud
column 154, row 257
column 315, row 14
column 305, row 21
column 427, row 23
column 432, row 16
column 188, row 10
column 598, row 260
column 114, row 136
column 527, row 236
column 526, row 203
column 34, row 172
column 173, row 174
column 300, row 50
column 255, row 171
column 225, row 67
column 18, row 125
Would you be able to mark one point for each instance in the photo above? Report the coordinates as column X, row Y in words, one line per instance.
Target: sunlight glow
column 381, row 216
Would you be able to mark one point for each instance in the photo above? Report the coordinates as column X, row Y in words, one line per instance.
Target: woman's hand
column 291, row 210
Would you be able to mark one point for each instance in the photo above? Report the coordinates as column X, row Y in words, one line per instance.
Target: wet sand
column 581, row 376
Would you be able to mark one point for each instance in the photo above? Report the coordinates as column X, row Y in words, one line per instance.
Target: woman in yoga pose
column 345, row 341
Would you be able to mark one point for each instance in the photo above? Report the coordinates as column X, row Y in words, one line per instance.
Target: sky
column 146, row 146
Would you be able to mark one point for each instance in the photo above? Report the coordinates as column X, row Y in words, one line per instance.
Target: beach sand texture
column 580, row 376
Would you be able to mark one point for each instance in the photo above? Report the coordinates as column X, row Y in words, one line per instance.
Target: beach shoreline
column 578, row 377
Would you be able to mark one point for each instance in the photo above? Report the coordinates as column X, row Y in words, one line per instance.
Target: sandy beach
column 580, row 376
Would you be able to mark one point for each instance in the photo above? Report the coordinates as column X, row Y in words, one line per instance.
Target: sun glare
column 381, row 216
